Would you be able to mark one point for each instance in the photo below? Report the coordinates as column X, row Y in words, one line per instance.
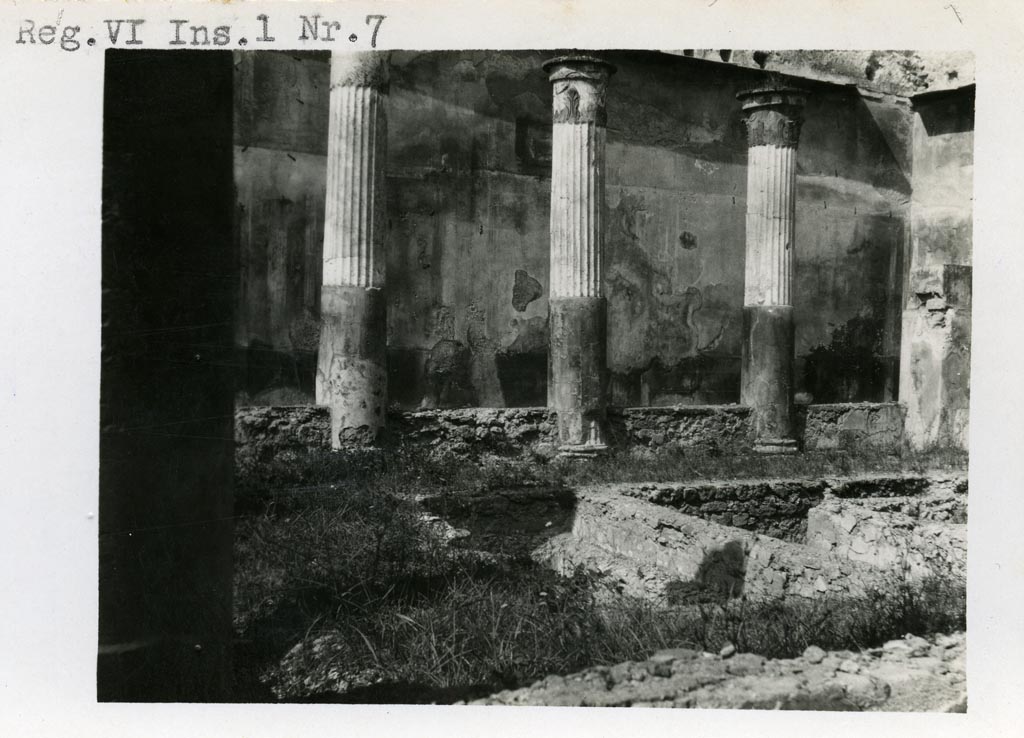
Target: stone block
column 854, row 425
column 891, row 541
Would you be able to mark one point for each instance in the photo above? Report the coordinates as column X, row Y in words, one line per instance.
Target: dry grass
column 339, row 570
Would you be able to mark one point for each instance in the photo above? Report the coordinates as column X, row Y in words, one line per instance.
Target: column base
column 775, row 446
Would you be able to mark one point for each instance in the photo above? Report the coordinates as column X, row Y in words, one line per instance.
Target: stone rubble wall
column 721, row 427
column 940, row 497
column 533, row 430
column 910, row 674
column 471, row 431
column 261, row 432
column 779, row 507
column 650, row 551
column 279, row 433
column 891, row 540
column 772, row 507
column 934, row 506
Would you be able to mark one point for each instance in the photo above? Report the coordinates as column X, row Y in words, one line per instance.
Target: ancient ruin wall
column 936, row 354
column 266, row 433
column 468, row 220
column 892, row 540
column 851, row 425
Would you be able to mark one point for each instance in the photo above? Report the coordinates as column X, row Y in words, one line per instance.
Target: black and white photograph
column 563, row 377
column 366, row 377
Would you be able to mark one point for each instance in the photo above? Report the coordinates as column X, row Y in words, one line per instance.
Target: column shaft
column 352, row 363
column 766, row 384
column 577, row 367
column 577, row 193
column 771, row 223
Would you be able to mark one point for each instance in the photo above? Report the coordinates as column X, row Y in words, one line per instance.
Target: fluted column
column 351, row 376
column 773, row 119
column 577, row 372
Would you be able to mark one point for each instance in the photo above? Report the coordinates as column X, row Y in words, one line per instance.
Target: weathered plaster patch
column 525, row 290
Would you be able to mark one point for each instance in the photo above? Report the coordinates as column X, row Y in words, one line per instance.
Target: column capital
column 579, row 84
column 360, row 69
column 773, row 115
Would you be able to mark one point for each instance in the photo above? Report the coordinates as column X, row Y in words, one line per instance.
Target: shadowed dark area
column 166, row 394
column 719, row 577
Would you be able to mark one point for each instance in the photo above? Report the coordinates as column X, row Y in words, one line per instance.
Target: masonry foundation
column 263, row 433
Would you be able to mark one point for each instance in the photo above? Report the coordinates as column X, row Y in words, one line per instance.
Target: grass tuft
column 343, row 585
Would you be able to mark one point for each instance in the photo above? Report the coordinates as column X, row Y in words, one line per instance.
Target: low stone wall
column 773, row 507
column 852, row 425
column 515, row 431
column 718, row 427
column 505, row 431
column 891, row 540
column 652, row 551
column 264, row 434
column 936, row 506
column 779, row 507
column 532, row 430
column 908, row 675
column 899, row 485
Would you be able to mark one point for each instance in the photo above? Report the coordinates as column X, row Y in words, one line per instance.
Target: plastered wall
column 936, row 348
column 468, row 208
